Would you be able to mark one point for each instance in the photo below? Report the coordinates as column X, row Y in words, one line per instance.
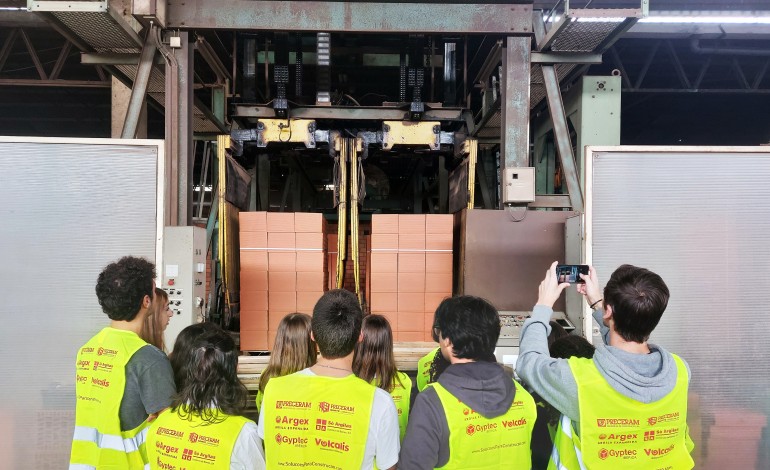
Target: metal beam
column 113, row 58
column 564, row 58
column 562, row 137
column 7, row 46
column 298, row 15
column 373, row 113
column 139, row 90
column 33, row 54
column 551, row 201
column 55, row 83
column 63, row 54
column 514, row 100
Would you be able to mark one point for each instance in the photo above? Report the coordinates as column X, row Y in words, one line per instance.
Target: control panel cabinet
column 184, row 277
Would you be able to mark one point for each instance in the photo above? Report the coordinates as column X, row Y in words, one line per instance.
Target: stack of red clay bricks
column 411, row 271
column 283, row 270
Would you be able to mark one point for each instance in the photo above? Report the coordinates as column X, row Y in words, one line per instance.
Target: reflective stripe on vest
column 619, row 432
column 180, row 441
column 566, row 454
column 476, row 442
column 423, row 369
column 100, row 382
column 401, row 394
column 316, row 421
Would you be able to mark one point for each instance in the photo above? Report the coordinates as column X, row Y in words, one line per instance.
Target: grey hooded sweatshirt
column 483, row 386
column 643, row 377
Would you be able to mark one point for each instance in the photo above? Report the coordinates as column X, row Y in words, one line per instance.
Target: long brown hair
column 373, row 357
column 293, row 349
column 154, row 324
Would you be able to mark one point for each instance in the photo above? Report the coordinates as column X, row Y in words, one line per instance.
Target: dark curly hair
column 208, row 375
column 122, row 286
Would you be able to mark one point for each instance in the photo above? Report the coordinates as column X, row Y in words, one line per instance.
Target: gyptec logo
column 605, row 454
column 472, row 429
column 292, row 441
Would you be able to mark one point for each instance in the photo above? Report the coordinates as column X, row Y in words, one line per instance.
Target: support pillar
column 179, row 138
column 514, row 145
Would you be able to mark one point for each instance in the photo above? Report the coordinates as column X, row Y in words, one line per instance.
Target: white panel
column 701, row 219
column 68, row 209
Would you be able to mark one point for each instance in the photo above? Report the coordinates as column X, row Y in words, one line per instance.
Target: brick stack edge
column 283, row 270
column 411, row 271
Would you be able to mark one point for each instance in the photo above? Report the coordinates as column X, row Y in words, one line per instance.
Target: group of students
column 332, row 397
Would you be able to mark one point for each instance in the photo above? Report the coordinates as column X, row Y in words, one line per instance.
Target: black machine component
column 281, row 75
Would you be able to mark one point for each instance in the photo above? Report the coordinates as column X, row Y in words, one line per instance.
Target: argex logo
column 618, row 437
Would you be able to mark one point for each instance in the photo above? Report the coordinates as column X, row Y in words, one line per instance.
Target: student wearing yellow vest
column 324, row 416
column 205, row 429
column 476, row 416
column 627, row 406
column 374, row 362
column 121, row 381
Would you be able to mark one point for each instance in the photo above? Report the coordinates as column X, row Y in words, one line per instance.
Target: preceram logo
column 327, row 407
column 616, row 422
column 659, row 452
column 87, row 350
column 106, row 352
column 605, row 454
column 668, row 417
column 170, row 432
column 201, row 439
column 296, row 405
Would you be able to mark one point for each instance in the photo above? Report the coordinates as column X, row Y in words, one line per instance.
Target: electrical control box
column 184, row 277
column 511, row 323
column 519, row 185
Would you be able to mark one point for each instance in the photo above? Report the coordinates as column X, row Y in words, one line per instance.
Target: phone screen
column 570, row 273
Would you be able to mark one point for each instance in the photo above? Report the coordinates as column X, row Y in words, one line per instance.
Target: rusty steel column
column 139, row 88
column 514, row 104
column 562, row 138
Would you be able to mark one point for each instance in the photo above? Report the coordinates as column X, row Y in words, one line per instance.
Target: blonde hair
column 293, row 349
column 154, row 324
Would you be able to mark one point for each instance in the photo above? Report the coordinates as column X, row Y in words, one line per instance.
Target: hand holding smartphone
column 571, row 273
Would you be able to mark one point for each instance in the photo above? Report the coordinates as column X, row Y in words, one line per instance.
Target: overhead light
column 706, row 19
column 13, row 8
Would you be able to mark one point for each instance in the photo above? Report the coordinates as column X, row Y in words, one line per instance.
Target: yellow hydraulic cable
column 223, row 143
column 472, row 147
column 354, row 167
column 342, row 212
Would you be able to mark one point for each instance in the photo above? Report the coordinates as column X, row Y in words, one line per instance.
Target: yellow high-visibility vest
column 98, row 441
column 619, row 432
column 423, row 369
column 476, row 442
column 175, row 441
column 314, row 421
column 401, row 394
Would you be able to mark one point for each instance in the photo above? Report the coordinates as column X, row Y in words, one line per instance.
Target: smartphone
column 571, row 273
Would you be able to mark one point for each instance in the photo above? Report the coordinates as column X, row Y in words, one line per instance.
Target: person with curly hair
column 205, row 427
column 122, row 383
